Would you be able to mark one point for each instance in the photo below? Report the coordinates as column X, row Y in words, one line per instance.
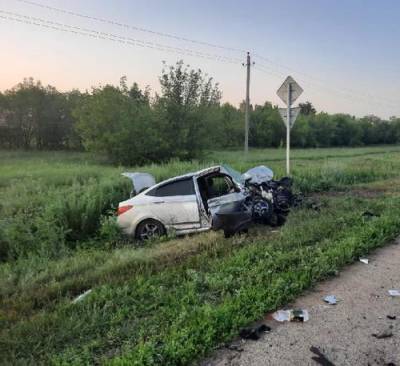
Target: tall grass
column 51, row 202
column 172, row 301
column 182, row 312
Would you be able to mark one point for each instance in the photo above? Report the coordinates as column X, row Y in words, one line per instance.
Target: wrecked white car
column 217, row 197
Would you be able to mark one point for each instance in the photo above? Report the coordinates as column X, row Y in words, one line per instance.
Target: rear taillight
column 123, row 209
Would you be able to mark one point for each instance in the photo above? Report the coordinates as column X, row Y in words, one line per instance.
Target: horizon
column 342, row 75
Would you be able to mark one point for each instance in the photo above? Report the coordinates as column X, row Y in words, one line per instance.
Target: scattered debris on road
column 364, row 260
column 292, row 315
column 387, row 333
column 81, row 296
column 391, row 317
column 331, row 299
column 394, row 293
column 254, row 333
column 320, row 358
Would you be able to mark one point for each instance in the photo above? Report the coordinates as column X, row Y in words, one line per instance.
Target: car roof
column 199, row 173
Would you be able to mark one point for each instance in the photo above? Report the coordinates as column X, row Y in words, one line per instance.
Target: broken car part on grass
column 81, row 296
column 218, row 198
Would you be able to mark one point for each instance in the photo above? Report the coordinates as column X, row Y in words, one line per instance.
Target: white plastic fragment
column 330, row 299
column 81, row 296
column 364, row 260
column 291, row 315
column 394, row 292
column 281, row 315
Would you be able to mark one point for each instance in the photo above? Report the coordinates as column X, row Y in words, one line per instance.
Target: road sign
column 289, row 92
column 294, row 112
column 283, row 91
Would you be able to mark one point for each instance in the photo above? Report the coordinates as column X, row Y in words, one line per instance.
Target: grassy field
column 171, row 301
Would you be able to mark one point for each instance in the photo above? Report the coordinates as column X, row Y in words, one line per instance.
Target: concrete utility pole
column 289, row 105
column 247, row 111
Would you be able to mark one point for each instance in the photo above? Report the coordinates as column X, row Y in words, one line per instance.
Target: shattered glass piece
column 293, row 315
column 281, row 315
column 330, row 299
column 394, row 292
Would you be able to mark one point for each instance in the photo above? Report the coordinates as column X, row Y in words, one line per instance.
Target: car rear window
column 183, row 187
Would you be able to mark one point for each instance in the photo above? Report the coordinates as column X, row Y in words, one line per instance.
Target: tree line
column 183, row 121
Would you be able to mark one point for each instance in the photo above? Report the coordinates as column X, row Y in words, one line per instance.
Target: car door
column 226, row 195
column 175, row 203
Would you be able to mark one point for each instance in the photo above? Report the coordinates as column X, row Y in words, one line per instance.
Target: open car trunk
column 140, row 181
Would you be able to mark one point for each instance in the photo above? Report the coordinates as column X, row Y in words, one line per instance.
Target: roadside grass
column 183, row 311
column 48, row 207
column 174, row 300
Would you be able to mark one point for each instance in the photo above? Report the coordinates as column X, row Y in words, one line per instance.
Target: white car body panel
column 182, row 213
column 179, row 212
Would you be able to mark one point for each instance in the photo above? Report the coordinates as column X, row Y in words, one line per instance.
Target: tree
column 347, row 131
column 184, row 108
column 307, row 108
column 35, row 116
column 228, row 129
column 266, row 126
column 114, row 121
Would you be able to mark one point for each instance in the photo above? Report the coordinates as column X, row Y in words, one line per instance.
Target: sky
column 345, row 54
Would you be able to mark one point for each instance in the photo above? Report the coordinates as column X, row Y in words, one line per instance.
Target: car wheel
column 149, row 229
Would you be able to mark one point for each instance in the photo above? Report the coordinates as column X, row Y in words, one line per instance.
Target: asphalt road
column 342, row 333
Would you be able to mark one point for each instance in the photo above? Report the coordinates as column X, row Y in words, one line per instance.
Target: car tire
column 149, row 229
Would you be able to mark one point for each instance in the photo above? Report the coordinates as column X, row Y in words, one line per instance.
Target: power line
column 266, row 70
column 342, row 93
column 183, row 51
column 129, row 26
column 111, row 37
column 345, row 92
column 324, row 82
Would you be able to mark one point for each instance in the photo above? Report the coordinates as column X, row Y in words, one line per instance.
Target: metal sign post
column 289, row 105
column 289, row 92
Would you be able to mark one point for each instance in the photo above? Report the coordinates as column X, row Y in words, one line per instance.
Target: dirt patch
column 356, row 192
column 371, row 190
column 362, row 329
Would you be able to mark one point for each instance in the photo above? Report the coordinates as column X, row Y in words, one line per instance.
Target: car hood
column 258, row 175
column 140, row 181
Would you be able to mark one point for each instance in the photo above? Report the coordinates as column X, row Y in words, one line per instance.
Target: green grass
column 172, row 301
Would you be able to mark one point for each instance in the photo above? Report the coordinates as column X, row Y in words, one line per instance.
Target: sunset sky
column 344, row 53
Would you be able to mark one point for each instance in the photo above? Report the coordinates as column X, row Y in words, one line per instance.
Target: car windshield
column 236, row 176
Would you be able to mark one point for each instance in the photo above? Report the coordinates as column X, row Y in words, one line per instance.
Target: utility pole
column 247, row 111
column 289, row 105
